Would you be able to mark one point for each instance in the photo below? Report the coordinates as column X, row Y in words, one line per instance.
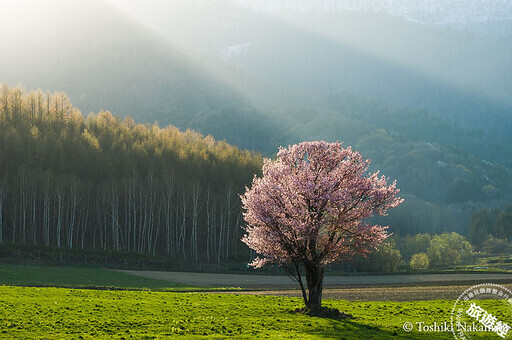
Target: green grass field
column 67, row 276
column 64, row 313
column 60, row 313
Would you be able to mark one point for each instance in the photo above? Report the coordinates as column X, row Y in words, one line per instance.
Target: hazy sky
column 257, row 51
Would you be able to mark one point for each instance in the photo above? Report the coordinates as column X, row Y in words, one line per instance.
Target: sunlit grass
column 56, row 313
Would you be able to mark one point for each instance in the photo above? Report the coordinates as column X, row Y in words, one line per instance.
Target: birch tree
column 3, row 194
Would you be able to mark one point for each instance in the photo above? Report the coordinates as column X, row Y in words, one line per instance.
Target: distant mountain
column 466, row 14
column 293, row 49
column 430, row 104
column 176, row 62
column 105, row 59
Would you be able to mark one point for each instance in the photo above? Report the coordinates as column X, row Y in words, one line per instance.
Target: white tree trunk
column 168, row 215
column 3, row 193
column 195, row 215
column 59, row 206
column 75, row 198
column 46, row 212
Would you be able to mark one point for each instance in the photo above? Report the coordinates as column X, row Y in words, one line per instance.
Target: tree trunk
column 13, row 219
column 3, row 193
column 46, row 212
column 1, row 218
column 75, row 198
column 59, row 215
column 228, row 220
column 294, row 272
column 23, row 186
column 84, row 222
column 33, row 219
column 196, row 207
column 168, row 215
column 207, row 225
column 314, row 279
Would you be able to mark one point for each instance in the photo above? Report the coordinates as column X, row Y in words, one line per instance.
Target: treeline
column 432, row 251
column 420, row 251
column 438, row 251
column 432, row 158
column 491, row 226
column 105, row 183
column 444, row 170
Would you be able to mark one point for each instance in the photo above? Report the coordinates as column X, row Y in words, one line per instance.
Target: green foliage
column 481, row 225
column 448, row 249
column 443, row 250
column 440, row 165
column 490, row 223
column 56, row 313
column 102, row 182
column 503, row 224
column 431, row 156
column 434, row 158
column 420, row 261
column 410, row 245
column 386, row 258
column 493, row 245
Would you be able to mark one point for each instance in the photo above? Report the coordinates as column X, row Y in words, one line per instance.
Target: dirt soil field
column 409, row 293
column 282, row 281
column 362, row 288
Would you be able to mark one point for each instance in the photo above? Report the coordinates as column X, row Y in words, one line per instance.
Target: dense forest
column 490, row 223
column 445, row 170
column 432, row 113
column 103, row 182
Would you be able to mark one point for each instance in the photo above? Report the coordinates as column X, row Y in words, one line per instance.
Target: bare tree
column 131, row 188
column 151, row 198
column 236, row 231
column 101, row 214
column 229, row 209
column 209, row 225
column 23, row 202
column 196, row 208
column 3, row 193
column 114, row 214
column 33, row 197
column 14, row 214
column 84, row 218
column 183, row 203
column 59, row 207
column 4, row 101
column 75, row 198
column 46, row 211
column 170, row 245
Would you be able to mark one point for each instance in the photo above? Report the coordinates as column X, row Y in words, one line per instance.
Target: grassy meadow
column 154, row 313
column 68, row 276
column 57, row 313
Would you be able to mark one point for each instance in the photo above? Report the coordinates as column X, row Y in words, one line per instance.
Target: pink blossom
column 311, row 204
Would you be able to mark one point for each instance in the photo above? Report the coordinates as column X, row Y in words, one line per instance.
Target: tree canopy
column 311, row 208
column 110, row 183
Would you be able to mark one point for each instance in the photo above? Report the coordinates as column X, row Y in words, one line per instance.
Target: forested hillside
column 106, row 183
column 122, row 66
column 429, row 104
column 433, row 158
column 296, row 48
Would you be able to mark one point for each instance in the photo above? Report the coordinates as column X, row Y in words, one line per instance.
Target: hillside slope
column 105, row 183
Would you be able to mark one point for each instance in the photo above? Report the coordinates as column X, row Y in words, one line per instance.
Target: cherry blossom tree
column 311, row 208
